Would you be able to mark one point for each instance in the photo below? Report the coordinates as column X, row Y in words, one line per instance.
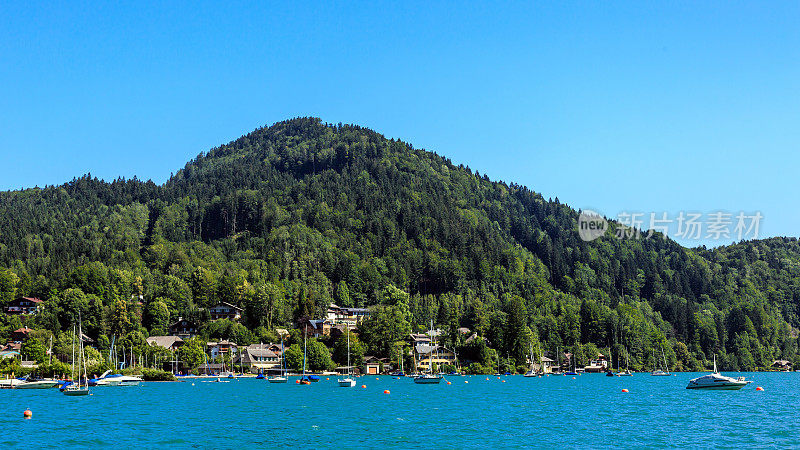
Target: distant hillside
column 291, row 217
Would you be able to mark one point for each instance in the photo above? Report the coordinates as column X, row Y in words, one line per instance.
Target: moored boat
column 304, row 379
column 348, row 380
column 70, row 388
column 662, row 373
column 10, row 383
column 37, row 384
column 282, row 377
column 428, row 379
column 108, row 379
column 717, row 381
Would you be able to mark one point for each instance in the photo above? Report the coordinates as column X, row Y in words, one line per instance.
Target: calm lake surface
column 555, row 411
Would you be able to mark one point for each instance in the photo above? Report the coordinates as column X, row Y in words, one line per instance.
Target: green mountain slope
column 289, row 218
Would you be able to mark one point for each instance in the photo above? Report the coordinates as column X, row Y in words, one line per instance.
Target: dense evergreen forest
column 301, row 214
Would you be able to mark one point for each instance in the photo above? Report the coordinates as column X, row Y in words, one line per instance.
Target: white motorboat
column 347, row 382
column 717, row 381
column 37, row 384
column 108, row 379
column 129, row 380
column 10, row 383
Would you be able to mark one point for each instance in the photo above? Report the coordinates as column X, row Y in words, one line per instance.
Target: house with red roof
column 23, row 306
column 19, row 335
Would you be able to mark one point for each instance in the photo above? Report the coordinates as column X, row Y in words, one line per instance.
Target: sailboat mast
column 305, row 335
column 558, row 358
column 435, row 348
column 348, row 349
column 81, row 358
column 72, row 372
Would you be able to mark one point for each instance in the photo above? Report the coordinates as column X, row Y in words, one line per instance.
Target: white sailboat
column 347, row 381
column 717, row 381
column 282, row 377
column 531, row 371
column 627, row 372
column 658, row 372
column 79, row 389
column 430, row 377
column 304, row 379
column 400, row 362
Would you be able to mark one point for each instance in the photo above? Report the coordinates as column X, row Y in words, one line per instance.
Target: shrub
column 157, row 375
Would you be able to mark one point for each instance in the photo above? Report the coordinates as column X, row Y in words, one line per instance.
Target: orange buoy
column 624, row 390
column 466, row 381
column 504, row 381
column 573, row 378
column 759, row 388
column 377, row 378
column 363, row 385
column 27, row 414
column 487, row 379
column 296, row 381
column 449, row 382
column 327, row 378
column 386, row 391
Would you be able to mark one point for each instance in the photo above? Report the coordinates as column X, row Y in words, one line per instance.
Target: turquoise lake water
column 556, row 411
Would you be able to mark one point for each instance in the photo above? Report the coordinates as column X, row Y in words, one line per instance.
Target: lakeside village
column 312, row 345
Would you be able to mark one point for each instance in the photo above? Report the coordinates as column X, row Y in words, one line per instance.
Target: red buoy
column 386, row 391
column 759, row 388
column 27, row 414
column 363, row 385
column 624, row 390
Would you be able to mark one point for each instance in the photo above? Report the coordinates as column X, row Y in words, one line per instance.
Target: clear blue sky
column 642, row 106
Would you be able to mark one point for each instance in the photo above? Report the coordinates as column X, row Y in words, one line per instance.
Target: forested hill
column 295, row 216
